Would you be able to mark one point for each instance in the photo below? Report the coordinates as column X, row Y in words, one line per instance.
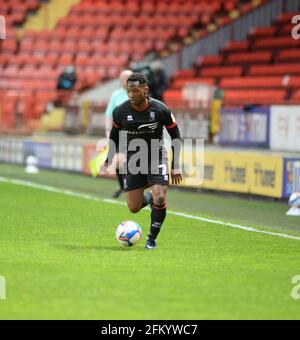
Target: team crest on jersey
column 152, row 115
column 129, row 118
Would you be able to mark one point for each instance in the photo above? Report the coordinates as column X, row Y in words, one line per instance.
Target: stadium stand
column 264, row 69
column 15, row 12
column 98, row 37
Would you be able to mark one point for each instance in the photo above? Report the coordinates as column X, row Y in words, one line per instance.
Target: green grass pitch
column 61, row 260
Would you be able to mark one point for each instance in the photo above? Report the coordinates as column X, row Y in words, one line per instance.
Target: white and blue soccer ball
column 294, row 200
column 129, row 233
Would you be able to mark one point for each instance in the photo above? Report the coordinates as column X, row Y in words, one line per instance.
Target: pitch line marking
column 110, row 201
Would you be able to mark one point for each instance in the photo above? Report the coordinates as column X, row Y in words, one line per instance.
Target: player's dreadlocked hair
column 140, row 77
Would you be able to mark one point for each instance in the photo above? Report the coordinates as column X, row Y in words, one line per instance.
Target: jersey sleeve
column 116, row 119
column 168, row 119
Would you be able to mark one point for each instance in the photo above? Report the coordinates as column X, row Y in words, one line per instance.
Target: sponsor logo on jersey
column 129, row 118
column 151, row 126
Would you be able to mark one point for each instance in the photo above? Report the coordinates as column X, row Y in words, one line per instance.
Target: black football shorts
column 139, row 181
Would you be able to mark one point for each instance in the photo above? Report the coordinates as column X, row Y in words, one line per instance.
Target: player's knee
column 134, row 208
column 159, row 198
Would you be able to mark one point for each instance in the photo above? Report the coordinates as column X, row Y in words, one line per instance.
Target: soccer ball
column 128, row 233
column 294, row 200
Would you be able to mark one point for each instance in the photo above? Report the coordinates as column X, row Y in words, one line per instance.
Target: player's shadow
column 92, row 248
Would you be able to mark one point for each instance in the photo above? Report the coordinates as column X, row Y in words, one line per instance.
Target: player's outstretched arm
column 176, row 173
column 113, row 144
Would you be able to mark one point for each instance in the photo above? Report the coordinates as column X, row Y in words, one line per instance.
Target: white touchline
column 110, row 201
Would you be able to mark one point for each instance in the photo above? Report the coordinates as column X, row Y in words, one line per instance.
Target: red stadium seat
column 101, row 33
column 289, row 55
column 180, row 83
column 296, row 96
column 51, row 59
column 8, row 46
column 294, row 82
column 17, row 60
column 132, row 8
column 11, row 33
column 84, row 47
column 148, row 7
column 221, row 72
column 66, row 59
column 264, row 32
column 249, row 58
column 212, row 60
column 285, row 18
column 242, row 97
column 11, row 71
column 41, row 45
column 173, row 98
column 185, row 74
column 252, row 82
column 7, row 112
column 275, row 43
column 46, row 73
column 286, row 30
column 4, row 59
column 281, row 69
column 82, row 61
column 237, row 46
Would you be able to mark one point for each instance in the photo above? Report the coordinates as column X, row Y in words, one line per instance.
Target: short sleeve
column 116, row 118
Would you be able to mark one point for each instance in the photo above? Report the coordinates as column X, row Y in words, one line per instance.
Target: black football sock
column 158, row 216
column 120, row 179
column 148, row 198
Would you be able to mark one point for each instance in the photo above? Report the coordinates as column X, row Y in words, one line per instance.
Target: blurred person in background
column 160, row 80
column 117, row 98
column 157, row 78
column 65, row 84
column 67, row 79
column 144, row 68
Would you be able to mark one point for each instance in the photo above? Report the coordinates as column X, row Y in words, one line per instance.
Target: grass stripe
column 110, row 201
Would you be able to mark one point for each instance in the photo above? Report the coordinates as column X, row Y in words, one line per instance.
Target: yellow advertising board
column 193, row 168
column 212, row 170
column 234, row 172
column 266, row 175
column 243, row 172
column 220, row 171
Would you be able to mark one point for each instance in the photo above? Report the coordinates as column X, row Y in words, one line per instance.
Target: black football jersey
column 147, row 124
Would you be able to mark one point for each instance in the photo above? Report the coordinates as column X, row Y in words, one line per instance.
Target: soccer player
column 143, row 118
column 117, row 98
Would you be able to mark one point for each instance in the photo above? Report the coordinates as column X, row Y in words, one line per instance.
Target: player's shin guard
column 158, row 216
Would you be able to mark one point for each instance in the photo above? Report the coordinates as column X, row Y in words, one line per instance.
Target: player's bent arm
column 176, row 173
column 113, row 144
column 176, row 146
